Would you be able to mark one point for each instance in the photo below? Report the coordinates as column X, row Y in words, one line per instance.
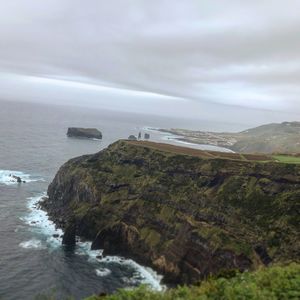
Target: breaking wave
column 39, row 222
column 7, row 177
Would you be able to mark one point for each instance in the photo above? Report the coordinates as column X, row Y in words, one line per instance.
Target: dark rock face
column 17, row 179
column 146, row 136
column 263, row 254
column 185, row 216
column 91, row 133
column 69, row 237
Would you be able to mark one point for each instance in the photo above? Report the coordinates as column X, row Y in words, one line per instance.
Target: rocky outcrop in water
column 132, row 138
column 17, row 179
column 69, row 237
column 90, row 133
column 187, row 217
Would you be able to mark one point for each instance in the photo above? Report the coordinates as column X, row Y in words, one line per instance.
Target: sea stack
column 132, row 138
column 89, row 133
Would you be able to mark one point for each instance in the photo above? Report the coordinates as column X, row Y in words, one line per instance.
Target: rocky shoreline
column 184, row 216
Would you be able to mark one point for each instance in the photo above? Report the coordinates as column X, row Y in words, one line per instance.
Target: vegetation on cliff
column 265, row 284
column 187, row 216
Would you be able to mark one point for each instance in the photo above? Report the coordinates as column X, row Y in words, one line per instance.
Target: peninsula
column 187, row 213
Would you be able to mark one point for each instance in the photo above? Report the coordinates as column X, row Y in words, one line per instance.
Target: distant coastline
column 173, row 138
column 269, row 138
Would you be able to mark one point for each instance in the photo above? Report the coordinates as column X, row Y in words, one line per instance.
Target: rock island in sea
column 90, row 133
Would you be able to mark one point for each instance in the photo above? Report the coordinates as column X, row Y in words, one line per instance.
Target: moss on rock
column 189, row 217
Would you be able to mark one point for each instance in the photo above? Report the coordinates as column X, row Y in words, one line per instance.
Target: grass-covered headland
column 191, row 215
column 265, row 284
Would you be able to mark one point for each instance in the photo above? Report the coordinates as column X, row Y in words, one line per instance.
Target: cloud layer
column 204, row 51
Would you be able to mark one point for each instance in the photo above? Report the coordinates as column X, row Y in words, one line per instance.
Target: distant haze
column 232, row 60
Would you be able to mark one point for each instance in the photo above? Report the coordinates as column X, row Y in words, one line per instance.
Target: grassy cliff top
column 206, row 154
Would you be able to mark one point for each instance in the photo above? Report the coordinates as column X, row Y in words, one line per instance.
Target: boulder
column 17, row 178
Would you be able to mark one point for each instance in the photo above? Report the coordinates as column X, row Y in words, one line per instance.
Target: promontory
column 187, row 213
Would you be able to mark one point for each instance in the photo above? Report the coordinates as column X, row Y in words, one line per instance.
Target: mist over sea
column 33, row 145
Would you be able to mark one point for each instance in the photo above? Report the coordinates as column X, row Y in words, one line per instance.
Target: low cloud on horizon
column 166, row 57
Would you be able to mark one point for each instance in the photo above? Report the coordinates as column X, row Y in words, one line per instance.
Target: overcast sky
column 195, row 57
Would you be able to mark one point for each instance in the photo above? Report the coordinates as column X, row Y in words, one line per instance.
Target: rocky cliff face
column 186, row 216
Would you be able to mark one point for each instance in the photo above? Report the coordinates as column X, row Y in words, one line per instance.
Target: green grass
column 287, row 159
column 265, row 284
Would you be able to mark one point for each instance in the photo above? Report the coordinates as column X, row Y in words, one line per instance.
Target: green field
column 287, row 159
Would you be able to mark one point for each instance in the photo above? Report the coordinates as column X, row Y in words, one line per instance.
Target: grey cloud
column 229, row 53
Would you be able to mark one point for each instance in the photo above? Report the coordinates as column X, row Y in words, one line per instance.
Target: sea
column 33, row 145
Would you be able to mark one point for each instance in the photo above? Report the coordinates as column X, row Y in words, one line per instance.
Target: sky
column 200, row 58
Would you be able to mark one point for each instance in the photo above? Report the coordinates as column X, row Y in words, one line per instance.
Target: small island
column 88, row 133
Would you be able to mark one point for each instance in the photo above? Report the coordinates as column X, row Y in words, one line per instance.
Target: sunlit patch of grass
column 287, row 159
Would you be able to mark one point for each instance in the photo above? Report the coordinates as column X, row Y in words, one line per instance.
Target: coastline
column 38, row 221
column 180, row 140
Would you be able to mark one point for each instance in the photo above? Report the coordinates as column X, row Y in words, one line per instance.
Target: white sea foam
column 40, row 223
column 149, row 128
column 143, row 274
column 102, row 272
column 32, row 244
column 6, row 177
column 146, row 275
column 38, row 220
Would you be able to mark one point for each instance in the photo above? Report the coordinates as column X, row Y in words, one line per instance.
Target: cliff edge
column 187, row 216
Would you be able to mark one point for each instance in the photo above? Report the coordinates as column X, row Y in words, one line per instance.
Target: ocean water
column 33, row 145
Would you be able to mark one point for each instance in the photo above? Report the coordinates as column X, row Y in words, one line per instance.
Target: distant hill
column 270, row 138
column 283, row 137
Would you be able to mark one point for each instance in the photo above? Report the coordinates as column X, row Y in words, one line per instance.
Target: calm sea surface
column 33, row 144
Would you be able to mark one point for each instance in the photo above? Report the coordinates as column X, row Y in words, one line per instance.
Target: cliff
column 90, row 133
column 186, row 215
